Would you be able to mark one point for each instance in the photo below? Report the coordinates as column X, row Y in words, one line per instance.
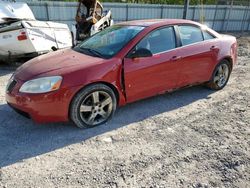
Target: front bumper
column 42, row 108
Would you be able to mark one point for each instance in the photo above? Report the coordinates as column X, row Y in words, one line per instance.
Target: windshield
column 110, row 41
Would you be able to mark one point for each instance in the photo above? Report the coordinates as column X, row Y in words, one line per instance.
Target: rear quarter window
column 207, row 35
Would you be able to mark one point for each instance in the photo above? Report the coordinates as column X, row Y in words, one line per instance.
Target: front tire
column 93, row 106
column 220, row 76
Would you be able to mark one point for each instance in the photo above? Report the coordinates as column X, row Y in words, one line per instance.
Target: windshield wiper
column 95, row 52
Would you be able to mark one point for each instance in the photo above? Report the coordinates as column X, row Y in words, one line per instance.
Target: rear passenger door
column 198, row 55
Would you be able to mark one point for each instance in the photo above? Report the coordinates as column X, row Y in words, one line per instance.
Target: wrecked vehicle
column 90, row 19
column 122, row 64
column 21, row 35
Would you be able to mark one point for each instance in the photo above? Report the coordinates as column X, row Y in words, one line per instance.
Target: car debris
column 22, row 36
column 90, row 19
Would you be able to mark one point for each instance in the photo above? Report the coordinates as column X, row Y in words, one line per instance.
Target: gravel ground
column 190, row 138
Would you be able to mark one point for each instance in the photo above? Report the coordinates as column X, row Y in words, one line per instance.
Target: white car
column 21, row 35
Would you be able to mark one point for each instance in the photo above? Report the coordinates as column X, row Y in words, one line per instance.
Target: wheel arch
column 211, row 83
column 110, row 85
column 113, row 87
column 229, row 60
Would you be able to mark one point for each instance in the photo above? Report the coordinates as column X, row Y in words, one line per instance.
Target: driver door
column 148, row 76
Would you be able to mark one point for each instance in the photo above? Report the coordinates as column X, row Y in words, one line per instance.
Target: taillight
column 22, row 36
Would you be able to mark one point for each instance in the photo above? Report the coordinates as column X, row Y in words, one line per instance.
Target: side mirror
column 141, row 52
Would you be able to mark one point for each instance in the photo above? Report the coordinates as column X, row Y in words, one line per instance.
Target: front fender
column 108, row 73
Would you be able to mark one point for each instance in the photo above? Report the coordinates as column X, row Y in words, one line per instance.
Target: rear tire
column 220, row 76
column 93, row 106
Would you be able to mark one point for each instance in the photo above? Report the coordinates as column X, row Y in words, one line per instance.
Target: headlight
column 42, row 85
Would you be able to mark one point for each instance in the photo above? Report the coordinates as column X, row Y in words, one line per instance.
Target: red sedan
column 121, row 64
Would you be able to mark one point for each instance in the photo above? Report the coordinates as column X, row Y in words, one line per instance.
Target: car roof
column 157, row 22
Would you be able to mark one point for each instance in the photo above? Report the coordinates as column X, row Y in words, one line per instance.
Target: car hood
column 58, row 61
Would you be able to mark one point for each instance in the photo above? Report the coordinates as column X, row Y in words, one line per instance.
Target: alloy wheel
column 96, row 108
column 221, row 75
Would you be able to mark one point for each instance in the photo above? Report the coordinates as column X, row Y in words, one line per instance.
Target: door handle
column 176, row 58
column 214, row 48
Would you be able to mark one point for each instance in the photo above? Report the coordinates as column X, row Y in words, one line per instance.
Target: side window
column 190, row 35
column 207, row 36
column 159, row 40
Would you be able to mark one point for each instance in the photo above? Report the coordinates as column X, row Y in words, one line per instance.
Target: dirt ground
column 190, row 138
